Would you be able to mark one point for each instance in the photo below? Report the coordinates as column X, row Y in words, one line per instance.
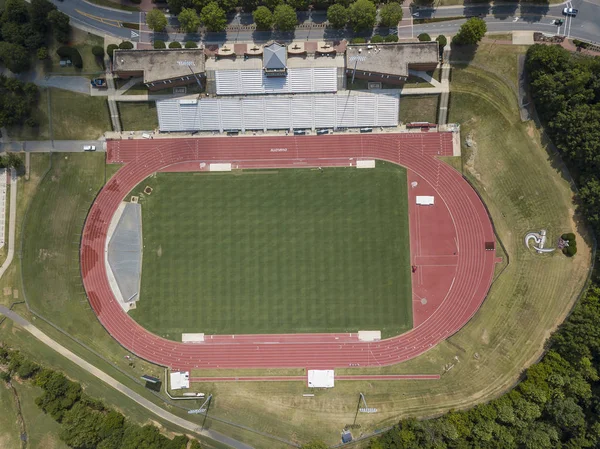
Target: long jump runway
column 452, row 274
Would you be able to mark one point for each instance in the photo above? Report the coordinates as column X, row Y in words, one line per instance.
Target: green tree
column 470, row 32
column 42, row 53
column 174, row 44
column 263, row 18
column 14, row 57
column 362, row 15
column 213, row 17
column 16, row 11
column 125, row 45
column 156, row 20
column 38, row 13
column 189, row 20
column 391, row 38
column 59, row 23
column 285, row 18
column 110, row 49
column 191, row 44
column 272, row 4
column 337, row 16
column 159, row 45
column 228, row 5
column 377, row 39
column 98, row 51
column 175, row 6
column 424, row 37
column 299, row 5
column 442, row 42
column 80, row 427
column 390, row 14
column 441, row 39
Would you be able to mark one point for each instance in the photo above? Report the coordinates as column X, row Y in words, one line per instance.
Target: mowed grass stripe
column 296, row 251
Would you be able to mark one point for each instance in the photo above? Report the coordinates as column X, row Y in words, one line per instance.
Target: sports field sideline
column 276, row 251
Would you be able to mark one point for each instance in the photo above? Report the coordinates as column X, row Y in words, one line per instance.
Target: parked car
column 89, row 148
column 559, row 22
column 570, row 12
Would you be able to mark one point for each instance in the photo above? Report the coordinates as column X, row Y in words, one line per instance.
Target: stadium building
column 301, row 86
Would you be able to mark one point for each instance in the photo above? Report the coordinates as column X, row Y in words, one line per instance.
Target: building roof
column 320, row 378
column 159, row 65
column 391, row 59
column 180, row 380
column 274, row 56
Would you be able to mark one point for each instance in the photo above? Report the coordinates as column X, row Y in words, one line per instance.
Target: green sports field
column 275, row 251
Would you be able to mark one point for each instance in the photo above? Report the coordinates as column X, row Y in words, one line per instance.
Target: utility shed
column 320, row 378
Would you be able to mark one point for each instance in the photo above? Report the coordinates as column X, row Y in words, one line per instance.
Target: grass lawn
column 415, row 81
column 419, row 108
column 74, row 116
column 83, row 42
column 9, row 428
column 50, row 253
column 276, row 251
column 524, row 189
column 138, row 116
column 42, row 430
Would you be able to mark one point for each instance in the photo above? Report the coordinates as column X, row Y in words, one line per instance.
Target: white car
column 570, row 12
column 89, row 148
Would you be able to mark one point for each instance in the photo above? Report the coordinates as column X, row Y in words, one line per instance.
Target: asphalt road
column 500, row 18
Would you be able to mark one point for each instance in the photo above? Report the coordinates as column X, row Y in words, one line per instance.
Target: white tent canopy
column 320, row 378
column 180, row 380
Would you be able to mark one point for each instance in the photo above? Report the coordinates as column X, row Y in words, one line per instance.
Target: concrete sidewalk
column 139, row 399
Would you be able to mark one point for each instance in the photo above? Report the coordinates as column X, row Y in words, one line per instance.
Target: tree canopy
column 189, row 20
column 470, row 32
column 337, row 16
column 285, row 18
column 263, row 18
column 390, row 14
column 213, row 17
column 156, row 20
column 362, row 15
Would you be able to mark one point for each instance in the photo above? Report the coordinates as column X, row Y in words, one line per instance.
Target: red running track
column 467, row 223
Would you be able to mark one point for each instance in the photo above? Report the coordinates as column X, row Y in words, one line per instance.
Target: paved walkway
column 12, row 226
column 445, row 94
column 112, row 104
column 139, row 399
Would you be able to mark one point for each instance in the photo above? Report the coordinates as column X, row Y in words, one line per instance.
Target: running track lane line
column 303, row 378
column 139, row 399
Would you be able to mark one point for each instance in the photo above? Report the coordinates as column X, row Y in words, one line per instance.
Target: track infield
column 278, row 251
